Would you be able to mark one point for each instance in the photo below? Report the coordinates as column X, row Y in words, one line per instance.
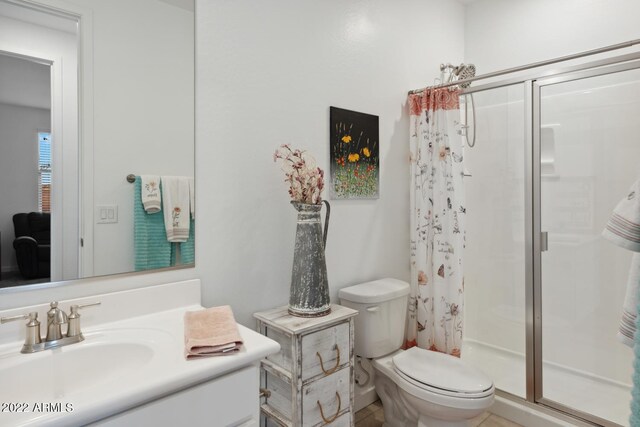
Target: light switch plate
column 106, row 214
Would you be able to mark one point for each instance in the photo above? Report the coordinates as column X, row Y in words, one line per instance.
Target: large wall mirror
column 93, row 92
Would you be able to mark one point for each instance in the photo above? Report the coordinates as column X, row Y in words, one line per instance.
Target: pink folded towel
column 211, row 332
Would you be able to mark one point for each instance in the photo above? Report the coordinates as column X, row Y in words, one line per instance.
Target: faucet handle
column 76, row 307
column 33, row 327
column 74, row 318
column 33, row 316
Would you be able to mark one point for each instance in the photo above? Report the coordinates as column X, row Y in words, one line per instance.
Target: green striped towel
column 152, row 249
column 187, row 249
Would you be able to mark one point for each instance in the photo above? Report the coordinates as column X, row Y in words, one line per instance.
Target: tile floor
column 372, row 416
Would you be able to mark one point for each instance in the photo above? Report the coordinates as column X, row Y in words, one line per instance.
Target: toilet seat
column 441, row 392
column 441, row 374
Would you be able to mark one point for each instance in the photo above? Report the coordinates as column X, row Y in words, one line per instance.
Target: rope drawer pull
column 333, row 418
column 332, row 370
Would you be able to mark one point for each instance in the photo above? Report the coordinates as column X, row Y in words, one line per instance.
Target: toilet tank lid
column 376, row 291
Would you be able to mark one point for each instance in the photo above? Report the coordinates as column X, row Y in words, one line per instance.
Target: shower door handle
column 544, row 241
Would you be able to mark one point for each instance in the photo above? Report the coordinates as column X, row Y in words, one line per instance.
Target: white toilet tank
column 381, row 321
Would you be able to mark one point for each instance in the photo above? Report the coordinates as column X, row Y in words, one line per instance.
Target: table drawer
column 325, row 351
column 332, row 394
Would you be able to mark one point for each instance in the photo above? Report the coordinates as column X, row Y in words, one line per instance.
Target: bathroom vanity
column 130, row 369
column 309, row 382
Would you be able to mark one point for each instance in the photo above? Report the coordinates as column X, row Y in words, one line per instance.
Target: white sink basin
column 106, row 356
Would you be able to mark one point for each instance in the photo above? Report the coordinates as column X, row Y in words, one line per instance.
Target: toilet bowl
column 449, row 395
column 417, row 387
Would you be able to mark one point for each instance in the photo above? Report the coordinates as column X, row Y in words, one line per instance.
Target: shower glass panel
column 495, row 241
column 589, row 152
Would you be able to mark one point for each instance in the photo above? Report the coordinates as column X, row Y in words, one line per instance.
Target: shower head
column 463, row 72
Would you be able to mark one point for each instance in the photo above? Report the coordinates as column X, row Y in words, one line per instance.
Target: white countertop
column 103, row 387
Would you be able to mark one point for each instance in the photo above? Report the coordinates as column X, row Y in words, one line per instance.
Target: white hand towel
column 630, row 309
column 192, row 197
column 623, row 227
column 175, row 201
column 150, row 193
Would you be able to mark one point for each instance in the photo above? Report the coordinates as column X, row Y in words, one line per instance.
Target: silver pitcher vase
column 309, row 294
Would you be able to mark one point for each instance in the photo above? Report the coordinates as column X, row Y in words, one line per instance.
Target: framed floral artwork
column 354, row 155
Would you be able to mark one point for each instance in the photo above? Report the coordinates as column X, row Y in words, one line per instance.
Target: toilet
column 417, row 387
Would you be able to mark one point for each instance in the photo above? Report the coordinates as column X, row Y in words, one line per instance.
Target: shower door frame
column 533, row 233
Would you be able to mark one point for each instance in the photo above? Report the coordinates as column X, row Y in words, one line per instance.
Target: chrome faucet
column 56, row 318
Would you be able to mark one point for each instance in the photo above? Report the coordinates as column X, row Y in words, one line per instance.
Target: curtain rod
column 532, row 65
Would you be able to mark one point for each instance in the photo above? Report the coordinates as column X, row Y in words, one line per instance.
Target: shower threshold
column 606, row 399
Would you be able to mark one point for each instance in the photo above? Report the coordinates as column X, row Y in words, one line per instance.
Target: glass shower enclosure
column 544, row 291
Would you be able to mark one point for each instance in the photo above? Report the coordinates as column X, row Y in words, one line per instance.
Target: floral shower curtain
column 437, row 210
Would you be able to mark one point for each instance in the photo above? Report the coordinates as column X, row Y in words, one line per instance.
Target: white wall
column 19, row 128
column 267, row 74
column 24, row 82
column 505, row 33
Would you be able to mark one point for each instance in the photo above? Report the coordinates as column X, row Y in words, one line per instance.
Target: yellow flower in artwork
column 346, row 139
column 354, row 157
column 366, row 152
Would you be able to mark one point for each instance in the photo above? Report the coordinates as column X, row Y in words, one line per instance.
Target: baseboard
column 364, row 397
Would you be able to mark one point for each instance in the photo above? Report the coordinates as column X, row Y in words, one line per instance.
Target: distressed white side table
column 310, row 381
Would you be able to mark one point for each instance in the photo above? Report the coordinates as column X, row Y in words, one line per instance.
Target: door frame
column 536, row 235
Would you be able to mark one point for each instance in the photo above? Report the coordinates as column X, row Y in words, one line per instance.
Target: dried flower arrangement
column 305, row 179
